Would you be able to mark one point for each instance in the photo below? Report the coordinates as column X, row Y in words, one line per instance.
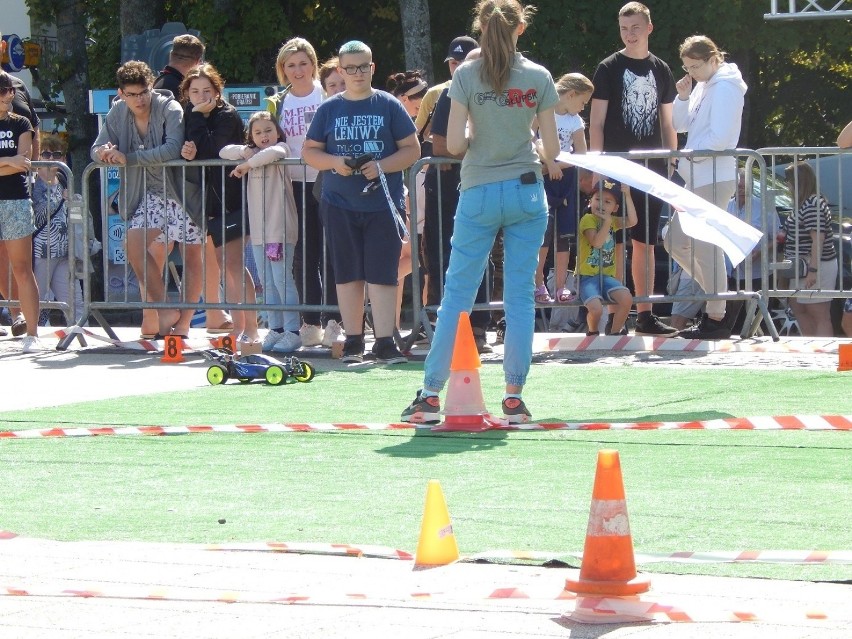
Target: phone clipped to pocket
column 531, row 194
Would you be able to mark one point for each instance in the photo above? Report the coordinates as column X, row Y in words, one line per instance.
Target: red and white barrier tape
column 789, row 422
column 117, row 591
column 812, row 557
column 308, row 548
column 569, row 342
column 148, row 345
column 589, row 609
column 627, row 609
column 629, row 343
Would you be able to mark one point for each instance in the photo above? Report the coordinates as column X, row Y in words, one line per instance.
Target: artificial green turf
column 504, row 490
column 576, row 393
column 687, row 490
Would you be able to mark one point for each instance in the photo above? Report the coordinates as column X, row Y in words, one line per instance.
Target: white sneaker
column 333, row 333
column 311, row 335
column 288, row 343
column 271, row 339
column 31, row 344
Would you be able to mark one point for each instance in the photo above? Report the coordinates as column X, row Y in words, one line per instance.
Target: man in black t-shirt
column 632, row 110
column 187, row 52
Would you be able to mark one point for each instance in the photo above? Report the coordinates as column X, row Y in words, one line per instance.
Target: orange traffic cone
column 437, row 545
column 464, row 407
column 172, row 350
column 844, row 357
column 608, row 566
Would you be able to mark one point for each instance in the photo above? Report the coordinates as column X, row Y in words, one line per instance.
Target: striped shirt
column 813, row 215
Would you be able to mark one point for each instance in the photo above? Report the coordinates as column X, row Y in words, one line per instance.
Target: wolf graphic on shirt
column 639, row 100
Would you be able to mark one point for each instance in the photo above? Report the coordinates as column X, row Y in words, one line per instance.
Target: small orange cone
column 172, row 350
column 464, row 407
column 608, row 566
column 844, row 357
column 437, row 545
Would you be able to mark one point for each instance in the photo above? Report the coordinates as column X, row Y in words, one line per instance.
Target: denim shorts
column 16, row 219
column 599, row 286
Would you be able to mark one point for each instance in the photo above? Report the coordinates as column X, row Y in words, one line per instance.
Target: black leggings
column 311, row 264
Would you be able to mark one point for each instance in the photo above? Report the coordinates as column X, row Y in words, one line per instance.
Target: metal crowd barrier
column 115, row 265
column 829, row 179
column 70, row 307
column 756, row 300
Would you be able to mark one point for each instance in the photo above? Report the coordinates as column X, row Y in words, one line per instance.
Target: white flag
column 699, row 218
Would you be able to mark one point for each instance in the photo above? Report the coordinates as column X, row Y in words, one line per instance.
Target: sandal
column 564, row 295
column 227, row 327
column 542, row 296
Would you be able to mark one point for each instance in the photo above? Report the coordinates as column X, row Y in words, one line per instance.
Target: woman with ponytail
column 494, row 101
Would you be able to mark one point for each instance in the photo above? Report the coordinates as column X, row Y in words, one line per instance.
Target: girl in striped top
column 810, row 236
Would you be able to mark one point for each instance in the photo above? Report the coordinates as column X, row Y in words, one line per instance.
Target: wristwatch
column 811, row 269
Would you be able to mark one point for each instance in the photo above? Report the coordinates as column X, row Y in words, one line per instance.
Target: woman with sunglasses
column 710, row 113
column 16, row 211
column 53, row 270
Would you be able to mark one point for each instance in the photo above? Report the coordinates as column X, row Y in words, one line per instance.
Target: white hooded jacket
column 712, row 118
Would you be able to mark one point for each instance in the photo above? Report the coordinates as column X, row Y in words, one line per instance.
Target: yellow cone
column 437, row 545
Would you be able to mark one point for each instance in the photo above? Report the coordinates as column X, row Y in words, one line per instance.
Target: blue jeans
column 279, row 286
column 521, row 211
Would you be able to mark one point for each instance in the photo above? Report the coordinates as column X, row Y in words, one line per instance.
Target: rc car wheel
column 275, row 375
column 307, row 373
column 217, row 374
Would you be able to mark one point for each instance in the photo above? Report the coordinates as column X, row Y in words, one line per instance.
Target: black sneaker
column 353, row 349
column 608, row 329
column 423, row 410
column 385, row 351
column 649, row 324
column 479, row 338
column 515, row 411
column 707, row 328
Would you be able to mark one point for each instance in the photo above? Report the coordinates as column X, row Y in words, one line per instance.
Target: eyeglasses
column 141, row 94
column 52, row 155
column 694, row 67
column 361, row 68
column 7, row 90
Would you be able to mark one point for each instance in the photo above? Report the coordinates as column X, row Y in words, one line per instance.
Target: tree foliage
column 797, row 72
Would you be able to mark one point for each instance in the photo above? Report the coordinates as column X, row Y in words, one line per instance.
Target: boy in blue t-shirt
column 364, row 222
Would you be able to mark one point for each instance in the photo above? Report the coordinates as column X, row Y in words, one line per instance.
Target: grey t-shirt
column 153, row 174
column 501, row 145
